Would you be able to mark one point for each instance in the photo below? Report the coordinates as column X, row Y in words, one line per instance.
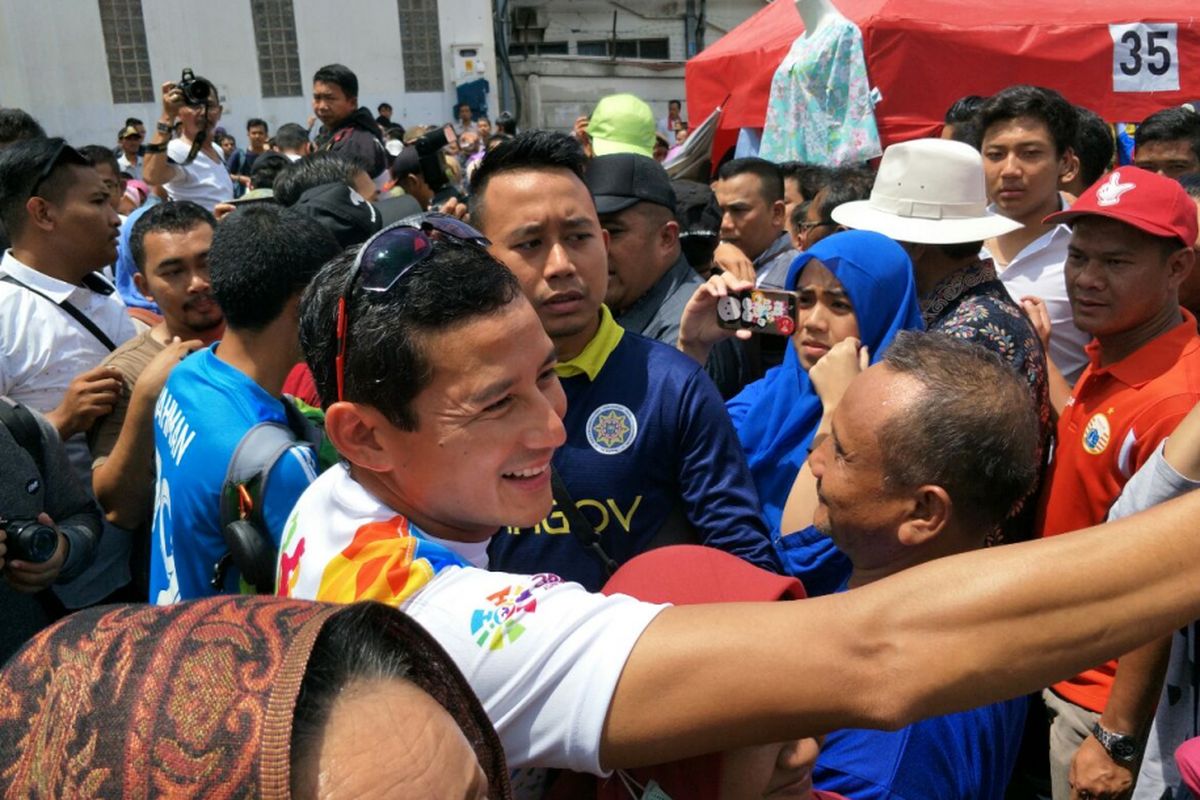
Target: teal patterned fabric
column 820, row 109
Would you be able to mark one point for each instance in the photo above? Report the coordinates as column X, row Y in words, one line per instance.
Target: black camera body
column 29, row 540
column 196, row 91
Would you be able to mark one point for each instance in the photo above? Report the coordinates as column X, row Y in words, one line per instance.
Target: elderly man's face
column 487, row 427
column 855, row 506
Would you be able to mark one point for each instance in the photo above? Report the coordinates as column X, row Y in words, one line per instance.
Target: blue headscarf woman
column 854, row 283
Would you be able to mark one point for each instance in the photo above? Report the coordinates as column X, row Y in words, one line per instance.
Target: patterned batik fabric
column 820, row 109
column 974, row 305
column 138, row 701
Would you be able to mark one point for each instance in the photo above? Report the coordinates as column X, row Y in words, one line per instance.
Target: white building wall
column 53, row 62
column 569, row 86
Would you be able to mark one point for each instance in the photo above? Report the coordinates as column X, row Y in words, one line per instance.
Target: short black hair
column 261, row 256
column 811, row 178
column 387, row 364
column 17, row 125
column 255, row 122
column 340, row 76
column 382, row 106
column 964, row 109
column 1037, row 102
column 21, row 164
column 1095, row 147
column 506, row 123
column 133, row 121
column 770, row 179
column 98, row 154
column 173, row 216
column 674, row 103
column 314, row 170
column 846, row 185
column 266, row 169
column 973, row 421
column 290, row 135
column 532, row 150
column 1169, row 125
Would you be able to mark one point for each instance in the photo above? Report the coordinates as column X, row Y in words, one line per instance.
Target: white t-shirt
column 205, row 181
column 543, row 655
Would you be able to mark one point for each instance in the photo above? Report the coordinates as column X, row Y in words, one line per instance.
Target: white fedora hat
column 928, row 191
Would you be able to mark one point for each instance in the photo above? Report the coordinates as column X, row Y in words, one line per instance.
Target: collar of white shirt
column 56, row 290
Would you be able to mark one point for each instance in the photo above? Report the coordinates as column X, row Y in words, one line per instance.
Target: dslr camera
column 196, row 91
column 29, row 540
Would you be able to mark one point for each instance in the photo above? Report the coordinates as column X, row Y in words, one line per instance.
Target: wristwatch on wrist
column 1121, row 748
column 164, row 128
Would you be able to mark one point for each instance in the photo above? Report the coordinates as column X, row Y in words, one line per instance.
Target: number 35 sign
column 1145, row 57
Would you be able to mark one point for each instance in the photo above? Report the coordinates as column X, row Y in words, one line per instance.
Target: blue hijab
column 776, row 416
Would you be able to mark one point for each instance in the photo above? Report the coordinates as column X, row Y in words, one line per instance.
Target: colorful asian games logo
column 502, row 623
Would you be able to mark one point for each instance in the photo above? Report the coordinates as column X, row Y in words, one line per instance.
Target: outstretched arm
column 955, row 633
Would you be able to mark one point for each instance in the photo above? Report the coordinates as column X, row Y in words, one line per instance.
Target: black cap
column 349, row 216
column 697, row 212
column 620, row 180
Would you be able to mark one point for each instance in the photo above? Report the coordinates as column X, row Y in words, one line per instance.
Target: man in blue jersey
column 261, row 259
column 651, row 456
column 972, row 420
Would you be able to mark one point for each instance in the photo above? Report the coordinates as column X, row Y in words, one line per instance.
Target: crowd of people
column 592, row 482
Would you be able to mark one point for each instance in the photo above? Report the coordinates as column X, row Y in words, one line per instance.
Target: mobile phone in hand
column 770, row 311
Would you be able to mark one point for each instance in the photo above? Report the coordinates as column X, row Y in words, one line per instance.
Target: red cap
column 1146, row 200
column 689, row 574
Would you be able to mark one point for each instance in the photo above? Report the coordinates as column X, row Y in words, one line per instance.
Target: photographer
column 38, row 490
column 190, row 167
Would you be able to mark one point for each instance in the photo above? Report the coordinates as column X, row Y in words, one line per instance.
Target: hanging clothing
column 820, row 109
column 775, row 417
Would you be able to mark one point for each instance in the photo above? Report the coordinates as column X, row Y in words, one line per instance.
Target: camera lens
column 31, row 541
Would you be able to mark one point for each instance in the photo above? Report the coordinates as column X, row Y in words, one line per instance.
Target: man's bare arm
column 955, row 633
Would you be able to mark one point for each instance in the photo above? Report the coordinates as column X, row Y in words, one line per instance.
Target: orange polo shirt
column 1114, row 421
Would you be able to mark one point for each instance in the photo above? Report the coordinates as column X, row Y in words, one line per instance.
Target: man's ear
column 41, row 213
column 1179, row 265
column 668, row 235
column 928, row 516
column 355, row 430
column 1068, row 166
column 143, row 285
column 779, row 213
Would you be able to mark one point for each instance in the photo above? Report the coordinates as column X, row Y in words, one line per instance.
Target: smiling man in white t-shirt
column 442, row 399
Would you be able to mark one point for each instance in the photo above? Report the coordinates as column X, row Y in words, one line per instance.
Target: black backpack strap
column 24, row 429
column 581, row 529
column 66, row 306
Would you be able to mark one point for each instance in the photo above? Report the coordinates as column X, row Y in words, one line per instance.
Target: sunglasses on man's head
column 387, row 257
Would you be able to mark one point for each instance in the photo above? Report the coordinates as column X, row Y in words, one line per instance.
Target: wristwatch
column 1121, row 748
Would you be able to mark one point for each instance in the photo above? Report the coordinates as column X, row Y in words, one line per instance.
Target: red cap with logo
column 1146, row 200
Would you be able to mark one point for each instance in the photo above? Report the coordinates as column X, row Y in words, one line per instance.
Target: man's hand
column 26, row 577
column 90, row 395
column 154, row 376
column 455, row 208
column 223, row 210
column 172, row 100
column 698, row 328
column 1095, row 776
column 730, row 258
column 832, row 374
column 1035, row 307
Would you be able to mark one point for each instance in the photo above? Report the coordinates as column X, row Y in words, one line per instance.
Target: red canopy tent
column 925, row 54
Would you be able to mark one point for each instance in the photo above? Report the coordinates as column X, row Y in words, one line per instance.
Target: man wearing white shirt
column 58, row 318
column 1028, row 140
column 205, row 180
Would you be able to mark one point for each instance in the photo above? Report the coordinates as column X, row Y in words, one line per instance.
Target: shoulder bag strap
column 66, row 306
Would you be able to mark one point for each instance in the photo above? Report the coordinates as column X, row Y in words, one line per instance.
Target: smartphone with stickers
column 770, row 311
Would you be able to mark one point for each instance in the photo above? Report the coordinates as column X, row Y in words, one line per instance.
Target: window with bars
column 125, row 46
column 278, row 56
column 421, row 42
column 656, row 49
